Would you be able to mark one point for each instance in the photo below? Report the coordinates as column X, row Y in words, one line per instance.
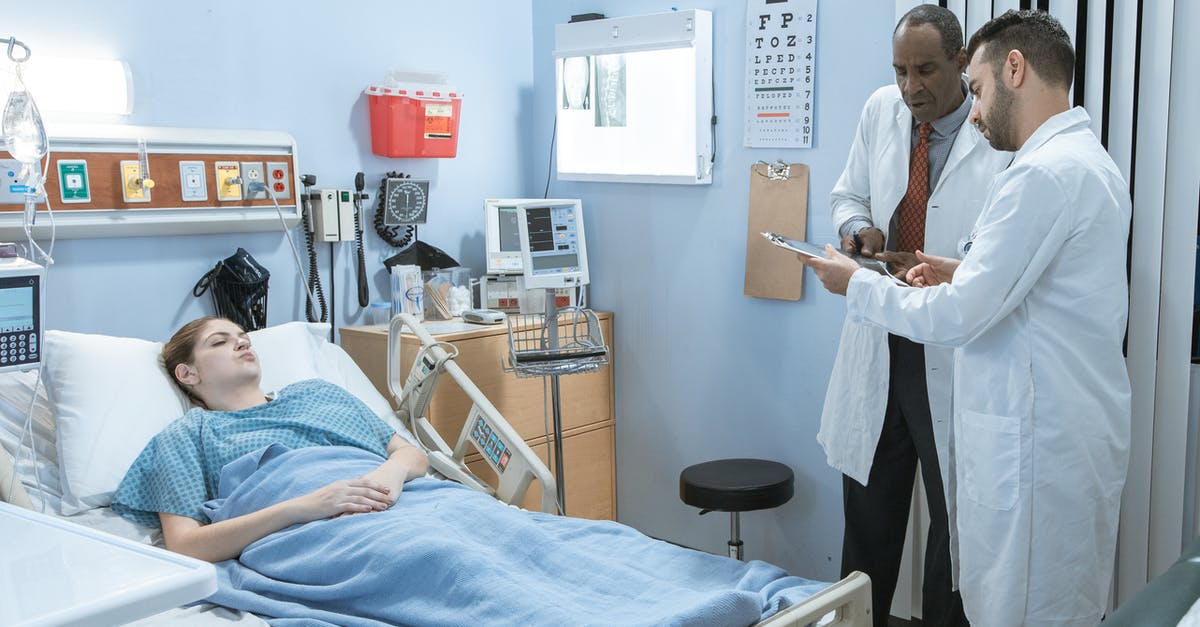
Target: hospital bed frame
column 848, row 600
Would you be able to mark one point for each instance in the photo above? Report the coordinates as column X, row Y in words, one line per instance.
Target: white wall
column 298, row 67
column 704, row 372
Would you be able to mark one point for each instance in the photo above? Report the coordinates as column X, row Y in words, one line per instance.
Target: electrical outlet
column 252, row 172
column 279, row 179
column 131, row 182
column 229, row 180
column 192, row 181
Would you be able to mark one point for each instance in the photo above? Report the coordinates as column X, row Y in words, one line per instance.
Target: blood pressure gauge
column 405, row 201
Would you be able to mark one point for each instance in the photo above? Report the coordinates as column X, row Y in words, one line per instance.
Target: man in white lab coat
column 916, row 178
column 1036, row 310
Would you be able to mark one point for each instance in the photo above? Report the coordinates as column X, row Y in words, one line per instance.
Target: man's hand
column 834, row 272
column 899, row 262
column 867, row 242
column 931, row 271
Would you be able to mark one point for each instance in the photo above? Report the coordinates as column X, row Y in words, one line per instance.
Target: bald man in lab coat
column 916, row 178
column 1036, row 310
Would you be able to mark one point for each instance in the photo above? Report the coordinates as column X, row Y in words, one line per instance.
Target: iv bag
column 24, row 134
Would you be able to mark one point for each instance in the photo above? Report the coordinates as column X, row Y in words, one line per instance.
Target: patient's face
column 223, row 356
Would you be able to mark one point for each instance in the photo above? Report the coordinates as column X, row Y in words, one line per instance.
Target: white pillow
column 111, row 395
column 287, row 353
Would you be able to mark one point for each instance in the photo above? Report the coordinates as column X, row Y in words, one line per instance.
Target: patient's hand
column 353, row 496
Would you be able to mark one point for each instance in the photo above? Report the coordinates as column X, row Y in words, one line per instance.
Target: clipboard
column 778, row 204
column 818, row 251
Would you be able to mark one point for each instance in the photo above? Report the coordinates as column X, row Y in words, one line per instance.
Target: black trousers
column 877, row 514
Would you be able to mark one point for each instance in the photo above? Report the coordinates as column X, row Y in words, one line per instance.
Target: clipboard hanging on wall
column 778, row 204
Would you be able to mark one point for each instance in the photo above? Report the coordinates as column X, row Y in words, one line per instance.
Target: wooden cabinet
column 586, row 402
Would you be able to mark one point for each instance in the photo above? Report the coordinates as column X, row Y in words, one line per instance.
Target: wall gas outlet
column 252, row 172
column 73, row 181
column 279, row 179
column 192, row 180
column 132, row 189
column 229, row 180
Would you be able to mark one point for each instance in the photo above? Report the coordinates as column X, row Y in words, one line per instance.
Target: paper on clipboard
column 816, row 250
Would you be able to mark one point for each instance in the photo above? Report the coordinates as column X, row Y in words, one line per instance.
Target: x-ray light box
column 634, row 98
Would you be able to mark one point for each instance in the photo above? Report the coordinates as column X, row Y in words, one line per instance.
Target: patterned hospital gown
column 180, row 468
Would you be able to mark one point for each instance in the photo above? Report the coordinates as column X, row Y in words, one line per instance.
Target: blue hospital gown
column 178, row 471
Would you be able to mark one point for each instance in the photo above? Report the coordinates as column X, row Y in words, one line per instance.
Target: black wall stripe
column 1026, row 5
column 1043, row 5
column 1137, row 79
column 1107, row 91
column 1081, row 21
column 942, row 3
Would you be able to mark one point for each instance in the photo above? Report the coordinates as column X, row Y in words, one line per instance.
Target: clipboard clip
column 778, row 171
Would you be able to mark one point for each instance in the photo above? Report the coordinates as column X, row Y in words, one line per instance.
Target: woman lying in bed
column 314, row 509
column 212, row 361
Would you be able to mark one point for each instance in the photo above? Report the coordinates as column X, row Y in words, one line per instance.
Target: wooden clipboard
column 778, row 204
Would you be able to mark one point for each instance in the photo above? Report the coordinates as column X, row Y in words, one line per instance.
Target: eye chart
column 781, row 43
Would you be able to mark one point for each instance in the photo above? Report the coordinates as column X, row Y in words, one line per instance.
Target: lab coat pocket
column 989, row 452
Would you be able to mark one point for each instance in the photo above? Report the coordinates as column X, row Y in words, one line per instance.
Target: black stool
column 735, row 486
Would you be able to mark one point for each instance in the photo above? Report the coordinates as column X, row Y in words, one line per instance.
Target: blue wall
column 703, row 371
column 298, row 67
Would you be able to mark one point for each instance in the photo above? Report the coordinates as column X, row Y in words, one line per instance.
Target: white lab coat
column 872, row 184
column 1037, row 313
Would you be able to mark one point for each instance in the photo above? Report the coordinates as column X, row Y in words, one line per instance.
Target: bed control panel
column 494, row 450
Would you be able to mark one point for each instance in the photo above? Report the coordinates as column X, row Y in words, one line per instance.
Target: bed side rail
column 849, row 598
column 484, row 429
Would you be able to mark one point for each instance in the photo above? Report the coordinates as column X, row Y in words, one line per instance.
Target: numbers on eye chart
column 781, row 43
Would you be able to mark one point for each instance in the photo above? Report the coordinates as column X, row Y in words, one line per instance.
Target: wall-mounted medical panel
column 124, row 181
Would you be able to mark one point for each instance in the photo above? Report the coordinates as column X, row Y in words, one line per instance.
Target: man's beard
column 999, row 120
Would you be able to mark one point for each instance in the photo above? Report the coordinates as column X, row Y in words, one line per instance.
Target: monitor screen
column 510, row 234
column 501, row 233
column 553, row 246
column 16, row 309
column 553, row 239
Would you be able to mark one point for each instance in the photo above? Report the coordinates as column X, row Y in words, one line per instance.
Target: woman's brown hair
column 181, row 349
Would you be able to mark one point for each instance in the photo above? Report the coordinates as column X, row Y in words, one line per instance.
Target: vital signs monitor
column 553, row 250
column 502, row 234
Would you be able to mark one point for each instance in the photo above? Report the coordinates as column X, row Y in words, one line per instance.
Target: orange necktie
column 912, row 207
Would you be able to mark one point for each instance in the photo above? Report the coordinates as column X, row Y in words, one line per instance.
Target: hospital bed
column 100, row 399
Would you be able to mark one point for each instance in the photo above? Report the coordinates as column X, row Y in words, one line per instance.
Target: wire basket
column 574, row 344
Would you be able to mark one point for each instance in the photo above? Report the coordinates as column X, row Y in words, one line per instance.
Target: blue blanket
column 448, row 555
